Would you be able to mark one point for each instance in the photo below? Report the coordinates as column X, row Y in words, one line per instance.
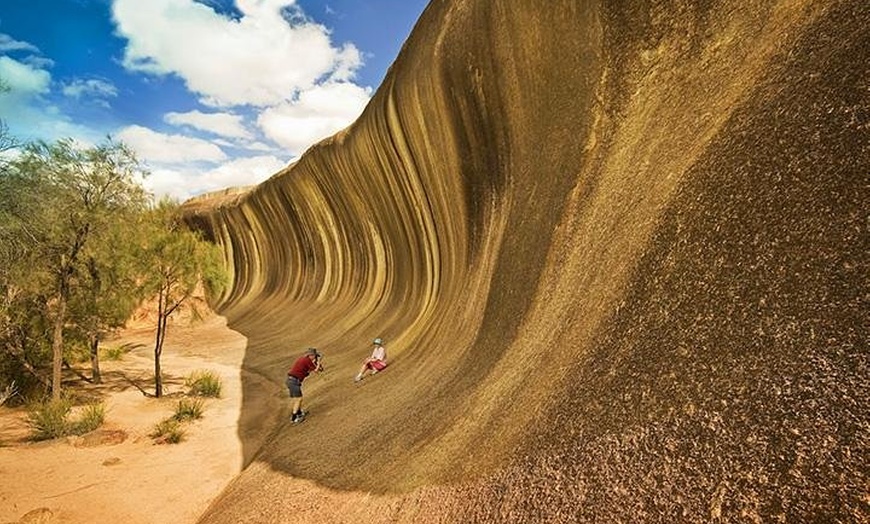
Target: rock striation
column 619, row 254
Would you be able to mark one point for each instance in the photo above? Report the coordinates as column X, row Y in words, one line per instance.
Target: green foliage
column 168, row 431
column 63, row 210
column 80, row 248
column 92, row 417
column 189, row 409
column 113, row 353
column 171, row 430
column 204, row 384
column 25, row 336
column 50, row 419
column 180, row 261
column 181, row 258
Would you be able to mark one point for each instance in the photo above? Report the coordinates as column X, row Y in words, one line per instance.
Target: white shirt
column 379, row 353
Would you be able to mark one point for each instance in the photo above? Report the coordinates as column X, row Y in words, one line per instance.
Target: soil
column 118, row 473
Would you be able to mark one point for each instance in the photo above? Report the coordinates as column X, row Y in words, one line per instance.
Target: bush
column 114, row 353
column 188, row 409
column 204, row 384
column 171, row 430
column 48, row 419
column 91, row 418
column 168, row 431
column 51, row 419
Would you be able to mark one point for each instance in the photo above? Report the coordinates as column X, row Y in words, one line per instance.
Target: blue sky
column 209, row 93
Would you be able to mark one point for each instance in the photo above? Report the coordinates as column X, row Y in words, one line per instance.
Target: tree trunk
column 63, row 277
column 158, row 378
column 57, row 346
column 96, row 285
column 95, row 360
column 158, row 346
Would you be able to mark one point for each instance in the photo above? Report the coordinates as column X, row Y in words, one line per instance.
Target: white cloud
column 223, row 124
column 315, row 115
column 24, row 78
column 224, row 143
column 243, row 172
column 260, row 58
column 151, row 146
column 31, row 119
column 183, row 183
column 258, row 146
column 92, row 87
column 27, row 106
column 7, row 43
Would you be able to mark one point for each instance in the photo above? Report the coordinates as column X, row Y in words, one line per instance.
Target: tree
column 108, row 289
column 22, row 322
column 182, row 263
column 56, row 199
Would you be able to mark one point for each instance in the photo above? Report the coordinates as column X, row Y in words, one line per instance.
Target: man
column 303, row 366
column 375, row 363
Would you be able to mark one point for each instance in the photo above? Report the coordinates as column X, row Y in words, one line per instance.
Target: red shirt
column 302, row 368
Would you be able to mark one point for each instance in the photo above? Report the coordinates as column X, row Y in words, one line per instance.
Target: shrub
column 188, row 409
column 51, row 419
column 168, row 431
column 91, row 418
column 204, row 384
column 114, row 353
column 48, row 419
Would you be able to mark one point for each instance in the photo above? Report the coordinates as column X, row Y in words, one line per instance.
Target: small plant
column 168, row 431
column 188, row 409
column 51, row 419
column 204, row 384
column 48, row 419
column 171, row 430
column 114, row 353
column 91, row 418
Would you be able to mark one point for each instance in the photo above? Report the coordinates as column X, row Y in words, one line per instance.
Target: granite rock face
column 619, row 254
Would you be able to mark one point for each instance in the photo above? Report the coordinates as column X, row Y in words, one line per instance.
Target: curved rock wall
column 618, row 251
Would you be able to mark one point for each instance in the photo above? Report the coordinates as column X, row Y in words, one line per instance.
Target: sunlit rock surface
column 618, row 251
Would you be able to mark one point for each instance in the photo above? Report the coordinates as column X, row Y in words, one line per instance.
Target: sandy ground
column 117, row 473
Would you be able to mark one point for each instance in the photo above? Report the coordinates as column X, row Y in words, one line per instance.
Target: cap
column 313, row 351
column 378, row 341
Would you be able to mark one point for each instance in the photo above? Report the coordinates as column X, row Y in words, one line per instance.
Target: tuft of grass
column 51, row 419
column 204, row 384
column 114, row 353
column 91, row 418
column 168, row 431
column 171, row 430
column 188, row 409
column 48, row 419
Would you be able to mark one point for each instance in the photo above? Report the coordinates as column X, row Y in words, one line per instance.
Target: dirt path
column 118, row 474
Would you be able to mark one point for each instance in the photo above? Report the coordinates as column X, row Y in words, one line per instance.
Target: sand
column 118, row 474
